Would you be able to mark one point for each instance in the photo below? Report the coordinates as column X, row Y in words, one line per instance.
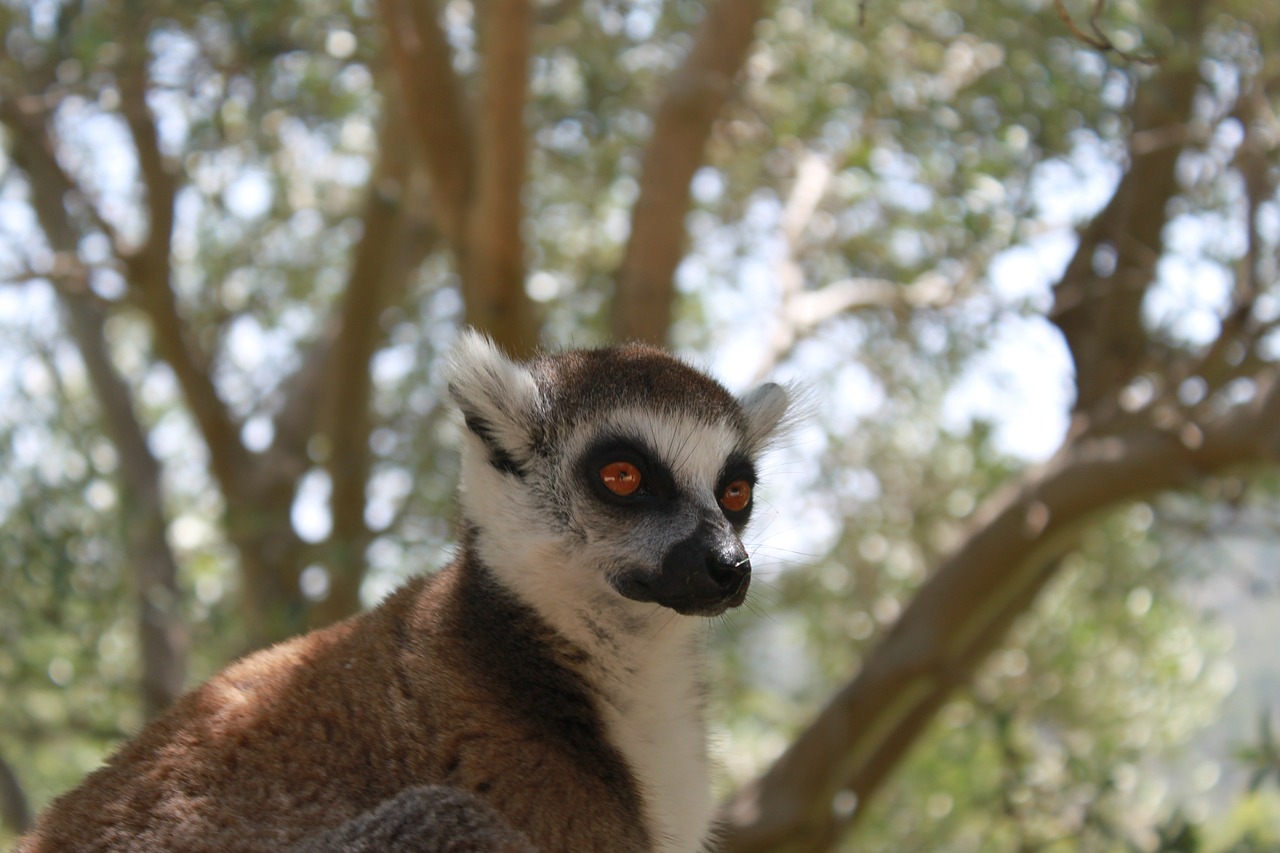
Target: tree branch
column 152, row 291
column 149, row 270
column 965, row 608
column 803, row 310
column 493, row 261
column 813, row 177
column 1251, row 162
column 312, row 395
column 32, row 146
column 1099, row 41
column 477, row 174
column 396, row 238
column 1233, row 352
column 15, row 812
column 1098, row 300
column 158, row 179
column 434, row 106
column 643, row 302
column 163, row 636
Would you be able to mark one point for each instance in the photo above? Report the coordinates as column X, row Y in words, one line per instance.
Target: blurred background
column 1018, row 567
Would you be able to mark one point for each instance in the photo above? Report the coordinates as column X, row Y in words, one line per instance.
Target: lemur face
column 619, row 473
column 667, row 496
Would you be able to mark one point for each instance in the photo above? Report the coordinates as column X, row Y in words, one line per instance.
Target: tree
column 552, row 166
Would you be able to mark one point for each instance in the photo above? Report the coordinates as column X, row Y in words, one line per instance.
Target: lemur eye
column 621, row 478
column 736, row 496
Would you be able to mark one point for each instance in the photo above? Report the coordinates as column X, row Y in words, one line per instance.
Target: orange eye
column 736, row 496
column 621, row 478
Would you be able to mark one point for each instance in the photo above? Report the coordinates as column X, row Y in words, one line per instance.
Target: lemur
column 543, row 692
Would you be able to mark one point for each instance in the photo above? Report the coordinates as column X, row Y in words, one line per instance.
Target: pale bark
column 494, row 263
column 801, row 310
column 163, row 636
column 331, row 396
column 475, row 154
column 432, row 94
column 397, row 236
column 148, row 268
column 1098, row 302
column 644, row 300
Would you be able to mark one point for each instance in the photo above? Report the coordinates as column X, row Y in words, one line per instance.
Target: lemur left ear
column 498, row 398
column 765, row 408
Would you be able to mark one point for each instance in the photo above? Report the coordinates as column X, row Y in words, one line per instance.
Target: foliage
column 68, row 653
column 950, row 149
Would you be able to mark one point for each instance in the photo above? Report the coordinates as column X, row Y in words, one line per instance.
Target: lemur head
column 609, row 475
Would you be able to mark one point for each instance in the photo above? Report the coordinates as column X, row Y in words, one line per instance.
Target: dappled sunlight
column 1021, row 547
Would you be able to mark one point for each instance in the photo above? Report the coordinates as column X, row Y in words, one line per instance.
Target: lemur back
column 542, row 692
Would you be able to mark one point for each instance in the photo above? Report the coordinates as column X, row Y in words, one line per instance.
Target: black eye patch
column 736, row 467
column 657, row 485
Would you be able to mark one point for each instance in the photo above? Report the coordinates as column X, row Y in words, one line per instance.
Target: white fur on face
column 693, row 450
column 558, row 568
column 494, row 391
column 547, row 536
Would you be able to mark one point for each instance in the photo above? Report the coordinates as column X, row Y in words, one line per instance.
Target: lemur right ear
column 766, row 408
column 498, row 398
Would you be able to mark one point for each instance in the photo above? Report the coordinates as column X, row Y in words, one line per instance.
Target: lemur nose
column 728, row 570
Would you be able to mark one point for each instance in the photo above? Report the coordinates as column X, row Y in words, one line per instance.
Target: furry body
column 311, row 733
column 542, row 692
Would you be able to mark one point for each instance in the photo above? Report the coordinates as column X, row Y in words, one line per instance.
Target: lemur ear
column 765, row 407
column 498, row 398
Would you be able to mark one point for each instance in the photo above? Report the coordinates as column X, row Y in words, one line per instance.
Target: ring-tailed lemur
column 542, row 692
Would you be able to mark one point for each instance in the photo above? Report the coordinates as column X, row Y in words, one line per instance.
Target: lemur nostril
column 727, row 573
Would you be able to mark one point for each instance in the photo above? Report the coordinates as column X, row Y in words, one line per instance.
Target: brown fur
column 457, row 822
column 450, row 682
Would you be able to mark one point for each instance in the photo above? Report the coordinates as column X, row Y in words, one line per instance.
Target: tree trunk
column 476, row 164
column 644, row 299
column 398, row 235
column 162, row 633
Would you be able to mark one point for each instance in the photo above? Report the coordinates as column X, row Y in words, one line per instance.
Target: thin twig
column 1099, row 41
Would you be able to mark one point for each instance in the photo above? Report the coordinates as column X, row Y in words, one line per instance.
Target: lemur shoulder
column 542, row 692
